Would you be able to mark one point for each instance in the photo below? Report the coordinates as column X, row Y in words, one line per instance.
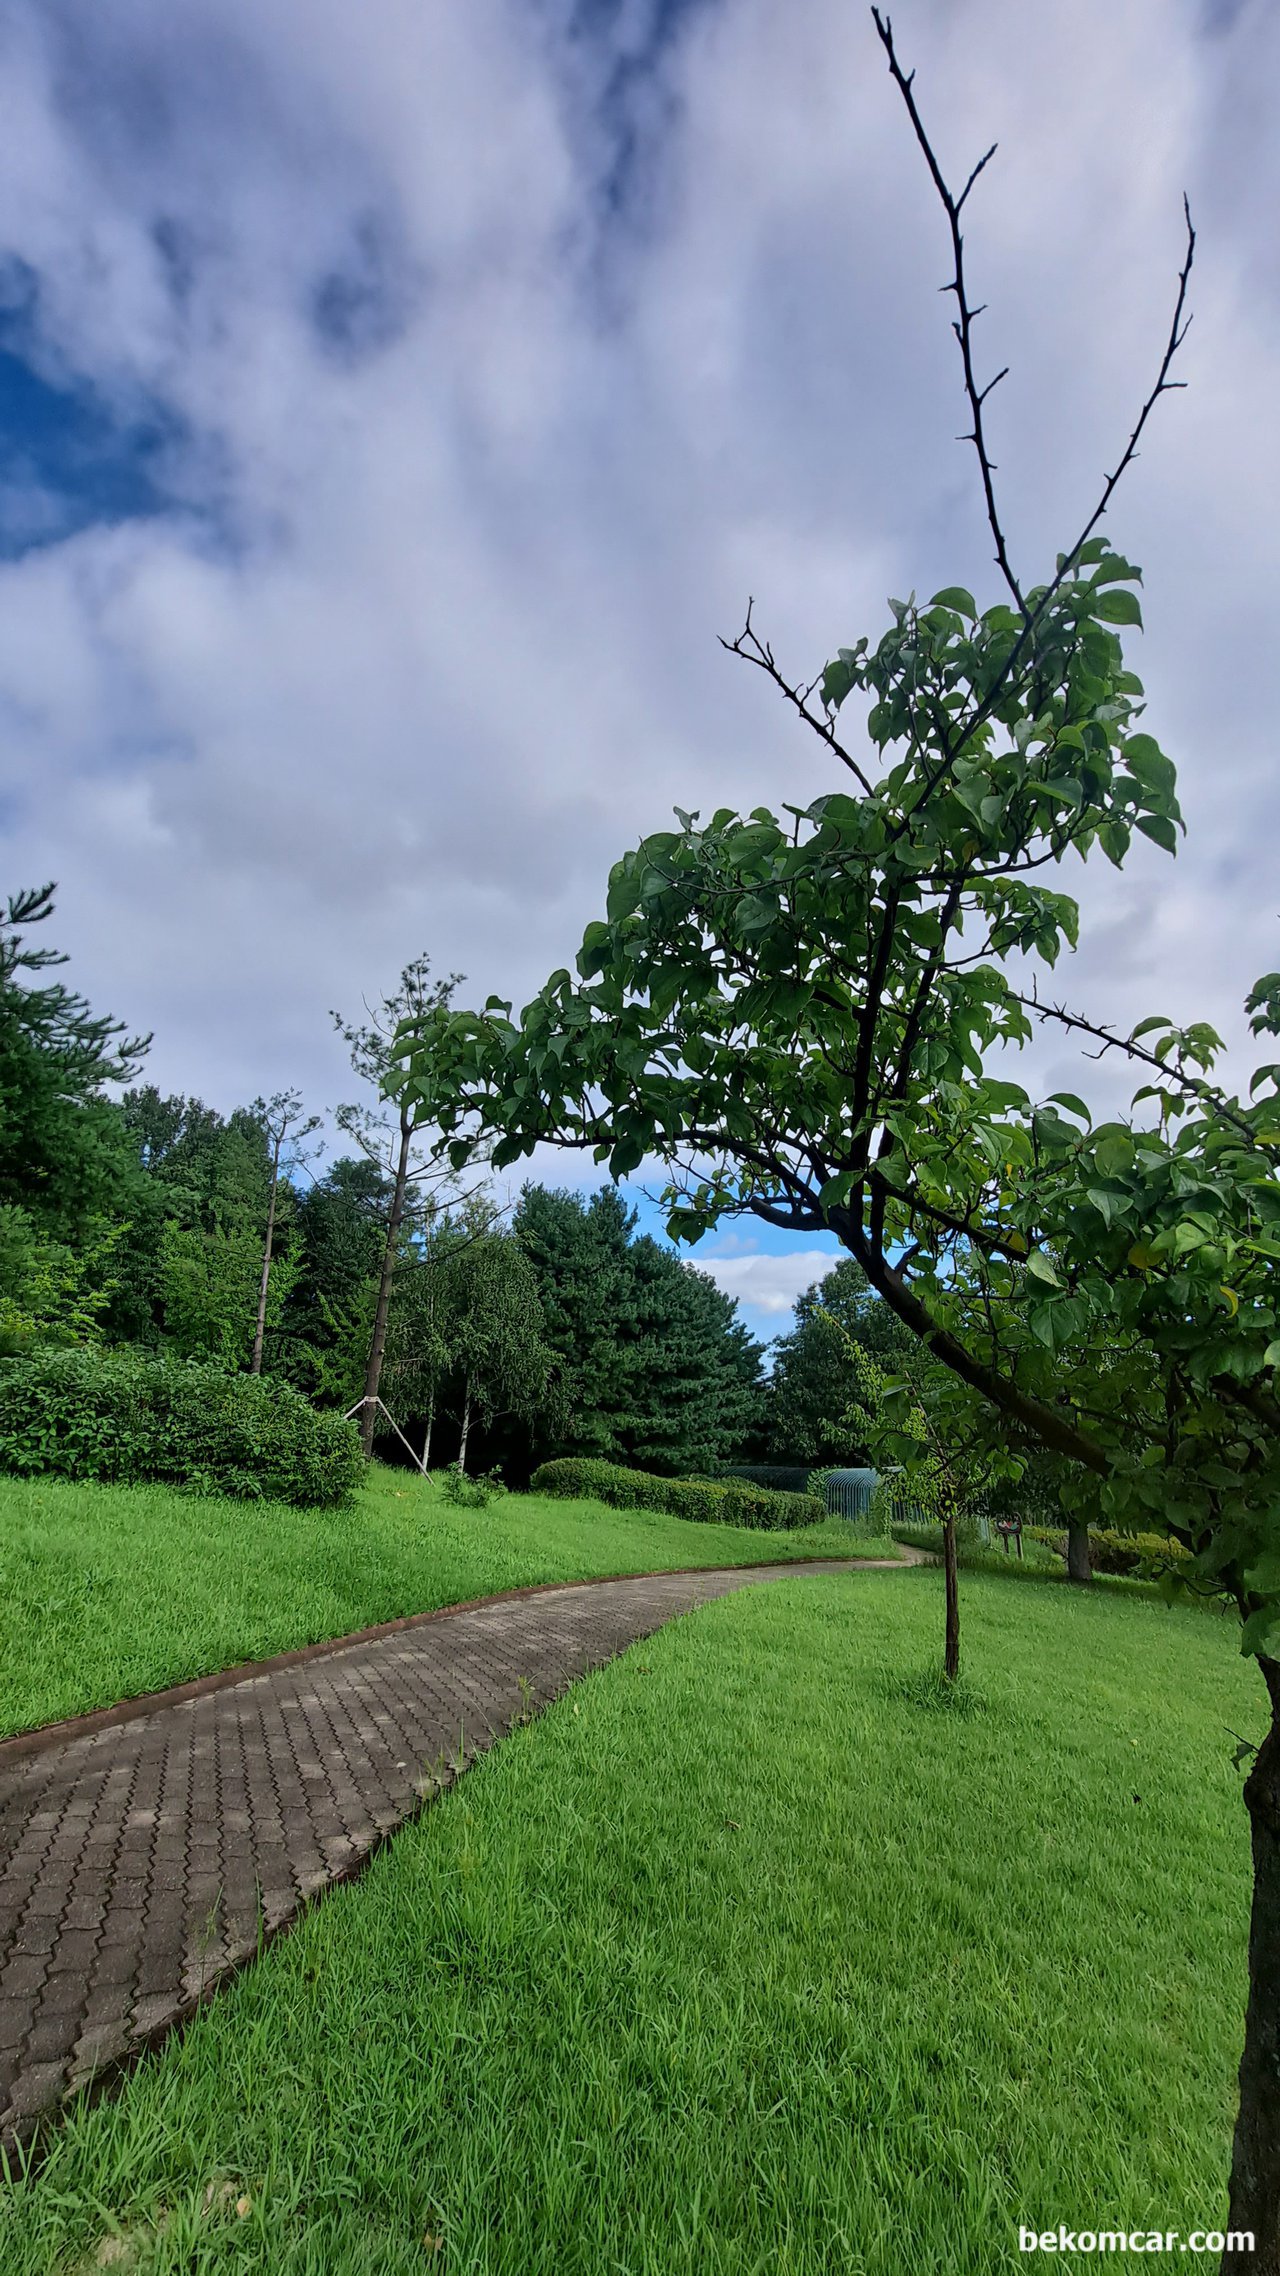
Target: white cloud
column 767, row 1284
column 451, row 643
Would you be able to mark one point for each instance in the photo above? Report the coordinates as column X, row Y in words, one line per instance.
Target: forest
column 516, row 1327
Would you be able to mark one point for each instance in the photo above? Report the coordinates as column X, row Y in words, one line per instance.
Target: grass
column 108, row 1591
column 740, row 1960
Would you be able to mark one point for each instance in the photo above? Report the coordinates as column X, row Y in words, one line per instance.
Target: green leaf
column 1160, row 830
column 1071, row 1102
column 627, row 1155
column 955, row 597
column 1118, row 606
column 1113, row 570
column 1042, row 1267
column 1261, row 1632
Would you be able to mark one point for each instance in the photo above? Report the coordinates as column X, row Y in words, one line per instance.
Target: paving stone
column 143, row 1859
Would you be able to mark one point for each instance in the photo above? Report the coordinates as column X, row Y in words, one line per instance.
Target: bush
column 472, row 1493
column 1125, row 1553
column 694, row 1498
column 127, row 1417
column 779, row 1477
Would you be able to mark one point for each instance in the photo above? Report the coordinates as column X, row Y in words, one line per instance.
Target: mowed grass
column 109, row 1591
column 741, row 1959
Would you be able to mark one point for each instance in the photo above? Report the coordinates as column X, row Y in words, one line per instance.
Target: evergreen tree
column 62, row 1158
column 658, row 1370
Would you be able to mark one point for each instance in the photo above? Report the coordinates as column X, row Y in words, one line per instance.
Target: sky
column 397, row 402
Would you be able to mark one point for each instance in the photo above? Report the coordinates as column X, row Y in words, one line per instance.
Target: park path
column 146, row 1852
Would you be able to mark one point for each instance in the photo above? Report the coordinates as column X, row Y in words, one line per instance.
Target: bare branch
column 966, row 315
column 753, row 650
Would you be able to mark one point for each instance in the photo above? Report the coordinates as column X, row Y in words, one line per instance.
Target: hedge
column 127, row 1417
column 1111, row 1552
column 779, row 1477
column 679, row 1497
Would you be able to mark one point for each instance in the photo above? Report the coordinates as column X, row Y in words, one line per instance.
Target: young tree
column 286, row 1129
column 389, row 1144
column 488, row 1324
column 800, row 1017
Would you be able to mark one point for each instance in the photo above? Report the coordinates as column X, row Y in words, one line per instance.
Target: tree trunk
column 255, row 1364
column 426, row 1438
column 1078, row 1565
column 466, row 1424
column 378, row 1342
column 1255, row 2163
column 951, row 1655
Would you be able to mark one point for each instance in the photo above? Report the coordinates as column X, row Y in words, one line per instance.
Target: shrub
column 695, row 1498
column 472, row 1493
column 1124, row 1553
column 128, row 1417
column 780, row 1477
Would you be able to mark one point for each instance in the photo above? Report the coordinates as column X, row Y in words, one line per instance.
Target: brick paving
column 145, row 1855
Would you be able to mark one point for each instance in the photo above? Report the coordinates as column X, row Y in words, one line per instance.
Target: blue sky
column 396, row 403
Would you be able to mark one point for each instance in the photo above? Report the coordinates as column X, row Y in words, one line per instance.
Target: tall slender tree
column 389, row 1140
column 287, row 1129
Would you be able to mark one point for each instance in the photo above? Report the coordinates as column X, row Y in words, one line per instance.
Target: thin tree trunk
column 426, row 1437
column 1255, row 2164
column 466, row 1424
column 951, row 1654
column 255, row 1364
column 1078, row 1565
column 378, row 1342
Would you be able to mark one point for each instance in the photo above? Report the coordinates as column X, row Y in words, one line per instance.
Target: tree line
column 500, row 1334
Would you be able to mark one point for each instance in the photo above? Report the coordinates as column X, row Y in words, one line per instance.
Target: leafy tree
column 801, row 1018
column 201, row 1197
column 322, row 1341
column 388, row 1143
column 61, row 1156
column 286, row 1129
column 209, row 1289
column 50, row 1293
column 479, row 1322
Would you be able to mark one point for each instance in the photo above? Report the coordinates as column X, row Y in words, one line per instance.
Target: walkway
column 147, row 1851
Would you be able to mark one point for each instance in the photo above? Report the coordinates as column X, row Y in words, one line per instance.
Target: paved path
column 145, row 1852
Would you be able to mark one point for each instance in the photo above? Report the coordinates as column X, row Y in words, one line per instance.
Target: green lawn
column 741, row 1959
column 107, row 1591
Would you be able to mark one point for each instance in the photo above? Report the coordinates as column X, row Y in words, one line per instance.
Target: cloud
column 767, row 1284
column 500, row 353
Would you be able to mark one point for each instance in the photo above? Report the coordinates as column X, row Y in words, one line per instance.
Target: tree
column 695, row 1368
column 580, row 1254
column 286, row 1128
column 816, row 1378
column 340, row 1228
column 484, row 1322
column 201, row 1195
column 799, row 1019
column 61, row 1153
column 49, row 1292
column 209, row 1283
column 390, row 1147
column 658, row 1370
